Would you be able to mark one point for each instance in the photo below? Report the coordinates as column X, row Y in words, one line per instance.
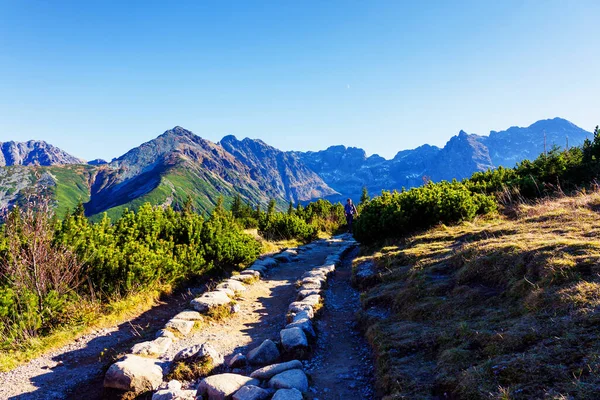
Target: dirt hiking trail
column 340, row 366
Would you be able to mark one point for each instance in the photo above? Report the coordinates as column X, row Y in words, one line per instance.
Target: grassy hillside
column 500, row 308
column 175, row 186
column 72, row 186
column 67, row 185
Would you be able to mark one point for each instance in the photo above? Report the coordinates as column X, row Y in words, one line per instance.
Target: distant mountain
column 34, row 152
column 168, row 170
column 277, row 173
column 347, row 170
column 516, row 144
column 178, row 165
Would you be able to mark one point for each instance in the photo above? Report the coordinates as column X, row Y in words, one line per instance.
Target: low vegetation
column 395, row 214
column 463, row 302
column 501, row 307
column 55, row 274
column 303, row 223
column 191, row 371
column 58, row 277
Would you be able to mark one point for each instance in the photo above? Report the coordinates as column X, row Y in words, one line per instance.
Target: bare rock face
column 348, row 169
column 134, row 374
column 34, row 152
column 223, row 386
column 277, row 171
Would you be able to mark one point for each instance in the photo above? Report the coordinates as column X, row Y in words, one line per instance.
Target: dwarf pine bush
column 394, row 214
column 44, row 262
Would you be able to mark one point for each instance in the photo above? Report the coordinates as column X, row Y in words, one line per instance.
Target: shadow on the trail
column 85, row 368
column 275, row 305
column 87, row 365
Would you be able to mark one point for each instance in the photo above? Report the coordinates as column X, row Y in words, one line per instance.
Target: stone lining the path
column 142, row 364
column 279, row 381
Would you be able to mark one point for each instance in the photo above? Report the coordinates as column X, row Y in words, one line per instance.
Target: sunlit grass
column 91, row 317
column 497, row 308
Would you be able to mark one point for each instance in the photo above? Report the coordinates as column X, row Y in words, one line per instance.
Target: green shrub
column 151, row 247
column 396, row 214
column 280, row 226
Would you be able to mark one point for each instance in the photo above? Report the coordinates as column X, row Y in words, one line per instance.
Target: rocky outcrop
column 278, row 173
column 179, row 164
column 34, row 152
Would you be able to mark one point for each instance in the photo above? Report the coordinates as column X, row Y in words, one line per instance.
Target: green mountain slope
column 169, row 170
column 66, row 185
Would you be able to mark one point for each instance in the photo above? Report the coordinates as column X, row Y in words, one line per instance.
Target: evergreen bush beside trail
column 394, row 214
column 282, row 226
column 48, row 266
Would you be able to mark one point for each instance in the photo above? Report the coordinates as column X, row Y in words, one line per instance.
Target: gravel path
column 263, row 308
column 342, row 367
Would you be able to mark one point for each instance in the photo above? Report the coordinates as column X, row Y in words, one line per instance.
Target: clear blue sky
column 97, row 78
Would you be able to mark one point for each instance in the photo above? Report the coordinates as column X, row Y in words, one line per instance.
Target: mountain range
column 178, row 165
column 348, row 169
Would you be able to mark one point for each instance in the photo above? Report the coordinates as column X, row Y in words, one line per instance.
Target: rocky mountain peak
column 34, row 152
column 276, row 170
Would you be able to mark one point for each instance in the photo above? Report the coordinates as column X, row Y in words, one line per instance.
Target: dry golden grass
column 500, row 308
column 192, row 370
column 88, row 317
column 270, row 247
